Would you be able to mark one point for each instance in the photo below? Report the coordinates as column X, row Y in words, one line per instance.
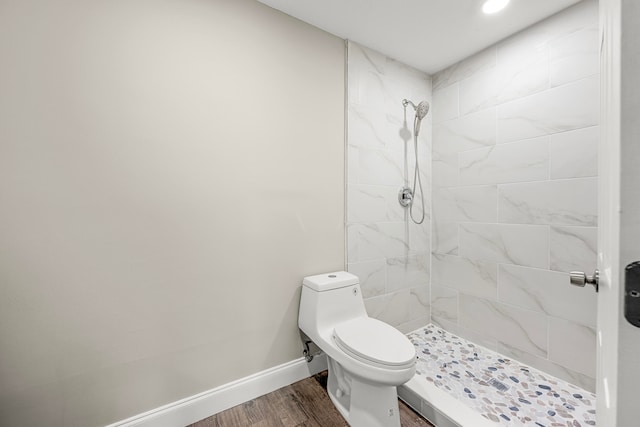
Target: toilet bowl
column 367, row 358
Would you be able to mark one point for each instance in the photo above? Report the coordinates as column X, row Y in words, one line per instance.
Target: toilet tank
column 328, row 299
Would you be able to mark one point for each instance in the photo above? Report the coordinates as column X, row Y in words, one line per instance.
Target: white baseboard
column 203, row 405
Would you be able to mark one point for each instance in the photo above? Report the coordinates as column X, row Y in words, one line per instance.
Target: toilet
column 367, row 358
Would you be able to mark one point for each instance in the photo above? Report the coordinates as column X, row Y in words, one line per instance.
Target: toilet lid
column 375, row 341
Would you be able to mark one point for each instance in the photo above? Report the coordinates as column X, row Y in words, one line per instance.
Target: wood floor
column 304, row 403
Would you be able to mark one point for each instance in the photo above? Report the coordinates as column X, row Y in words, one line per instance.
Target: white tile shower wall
column 514, row 190
column 388, row 252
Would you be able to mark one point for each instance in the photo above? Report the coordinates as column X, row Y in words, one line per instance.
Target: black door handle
column 632, row 293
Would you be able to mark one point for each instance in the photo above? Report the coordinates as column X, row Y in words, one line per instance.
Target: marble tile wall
column 514, row 195
column 385, row 248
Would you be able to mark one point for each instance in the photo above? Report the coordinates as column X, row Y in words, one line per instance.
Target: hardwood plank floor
column 304, row 403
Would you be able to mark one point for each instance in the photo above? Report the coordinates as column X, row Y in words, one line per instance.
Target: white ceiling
column 427, row 34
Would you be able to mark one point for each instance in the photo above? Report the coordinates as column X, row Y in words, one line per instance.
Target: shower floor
column 496, row 388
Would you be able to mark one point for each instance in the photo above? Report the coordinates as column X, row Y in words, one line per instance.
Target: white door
column 619, row 212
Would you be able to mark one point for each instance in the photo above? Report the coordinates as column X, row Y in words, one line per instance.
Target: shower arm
column 406, row 102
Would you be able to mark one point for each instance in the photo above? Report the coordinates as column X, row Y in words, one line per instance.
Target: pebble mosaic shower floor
column 500, row 389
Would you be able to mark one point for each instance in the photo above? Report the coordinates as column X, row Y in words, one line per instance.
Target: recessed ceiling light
column 493, row 6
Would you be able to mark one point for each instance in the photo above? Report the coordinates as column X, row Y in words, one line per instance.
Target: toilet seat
column 375, row 343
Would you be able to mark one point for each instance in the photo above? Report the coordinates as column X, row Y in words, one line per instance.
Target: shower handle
column 405, row 197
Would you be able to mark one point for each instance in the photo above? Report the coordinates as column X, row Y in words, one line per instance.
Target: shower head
column 422, row 109
column 421, row 112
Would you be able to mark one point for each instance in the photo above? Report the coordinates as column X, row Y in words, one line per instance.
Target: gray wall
column 386, row 249
column 515, row 203
column 169, row 171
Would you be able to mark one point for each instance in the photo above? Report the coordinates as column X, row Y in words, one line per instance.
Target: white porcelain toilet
column 367, row 358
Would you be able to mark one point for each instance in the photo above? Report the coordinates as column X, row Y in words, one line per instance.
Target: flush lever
column 578, row 278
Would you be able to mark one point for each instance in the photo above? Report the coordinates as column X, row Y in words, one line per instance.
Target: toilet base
column 362, row 403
